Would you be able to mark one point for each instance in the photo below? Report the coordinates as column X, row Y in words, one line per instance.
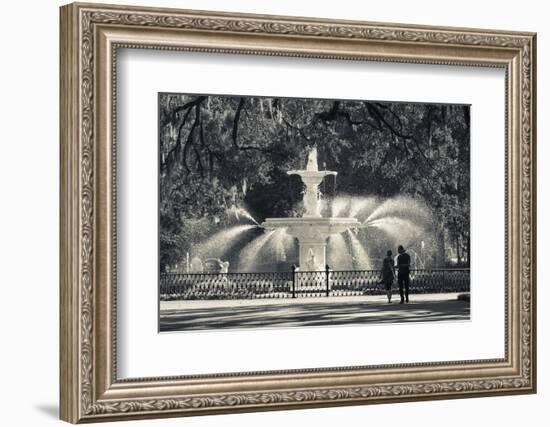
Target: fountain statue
column 312, row 230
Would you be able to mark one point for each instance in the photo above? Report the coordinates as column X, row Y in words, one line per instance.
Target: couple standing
column 403, row 273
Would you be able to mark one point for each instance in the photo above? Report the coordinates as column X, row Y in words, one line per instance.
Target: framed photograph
column 267, row 212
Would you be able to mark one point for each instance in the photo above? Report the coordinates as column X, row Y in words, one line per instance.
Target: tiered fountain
column 312, row 230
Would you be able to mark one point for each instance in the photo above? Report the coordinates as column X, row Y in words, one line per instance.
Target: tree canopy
column 223, row 151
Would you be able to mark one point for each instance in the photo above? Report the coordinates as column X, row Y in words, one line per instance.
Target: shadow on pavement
column 312, row 314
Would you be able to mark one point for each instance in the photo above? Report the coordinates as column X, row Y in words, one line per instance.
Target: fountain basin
column 312, row 235
column 315, row 176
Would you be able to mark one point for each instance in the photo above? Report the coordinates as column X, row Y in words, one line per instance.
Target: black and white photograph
column 275, row 213
column 280, row 212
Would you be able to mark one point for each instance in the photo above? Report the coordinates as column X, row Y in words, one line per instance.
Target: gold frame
column 90, row 35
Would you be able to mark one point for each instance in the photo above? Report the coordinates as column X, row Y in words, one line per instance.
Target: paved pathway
column 200, row 315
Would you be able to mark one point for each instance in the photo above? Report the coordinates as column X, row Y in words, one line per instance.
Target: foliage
column 222, row 151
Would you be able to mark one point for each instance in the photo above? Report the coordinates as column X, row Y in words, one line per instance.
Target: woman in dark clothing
column 388, row 274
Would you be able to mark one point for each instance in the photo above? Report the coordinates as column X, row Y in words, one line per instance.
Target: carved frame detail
column 87, row 397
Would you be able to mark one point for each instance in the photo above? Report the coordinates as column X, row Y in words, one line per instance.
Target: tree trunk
column 458, row 260
column 440, row 247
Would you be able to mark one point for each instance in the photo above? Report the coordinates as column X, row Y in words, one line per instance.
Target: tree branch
column 177, row 146
column 235, row 130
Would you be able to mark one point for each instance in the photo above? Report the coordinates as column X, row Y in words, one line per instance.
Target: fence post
column 326, row 278
column 293, row 281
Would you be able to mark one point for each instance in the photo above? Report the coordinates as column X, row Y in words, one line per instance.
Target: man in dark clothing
column 403, row 271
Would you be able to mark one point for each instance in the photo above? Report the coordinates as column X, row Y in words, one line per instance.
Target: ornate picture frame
column 90, row 37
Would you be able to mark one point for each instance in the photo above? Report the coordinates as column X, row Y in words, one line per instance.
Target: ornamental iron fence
column 303, row 284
